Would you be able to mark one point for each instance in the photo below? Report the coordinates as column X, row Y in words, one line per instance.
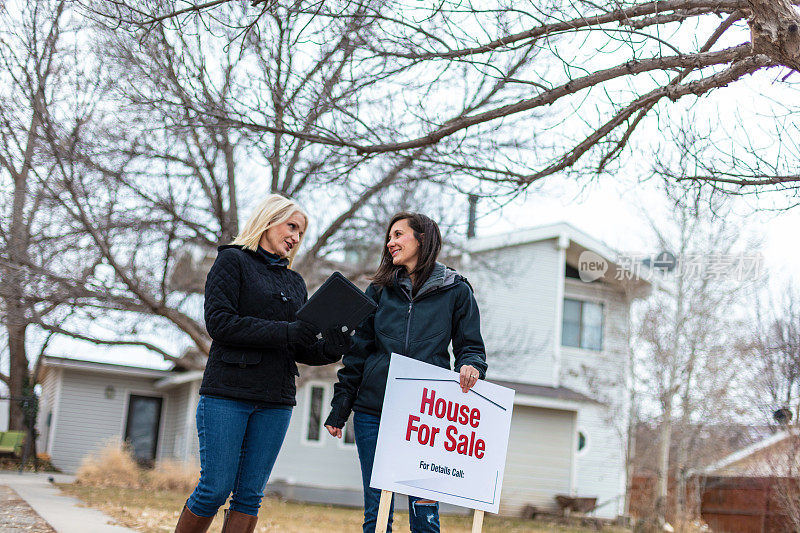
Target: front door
column 141, row 429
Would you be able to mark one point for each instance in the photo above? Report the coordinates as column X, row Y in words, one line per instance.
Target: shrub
column 114, row 466
column 110, row 466
column 172, row 475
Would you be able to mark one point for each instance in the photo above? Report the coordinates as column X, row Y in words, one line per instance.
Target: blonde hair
column 273, row 210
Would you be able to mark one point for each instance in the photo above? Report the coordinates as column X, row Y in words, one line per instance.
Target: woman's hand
column 468, row 377
column 337, row 341
column 301, row 332
column 335, row 432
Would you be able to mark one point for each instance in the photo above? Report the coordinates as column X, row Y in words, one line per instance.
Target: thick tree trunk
column 12, row 291
column 19, row 368
column 13, row 282
column 775, row 31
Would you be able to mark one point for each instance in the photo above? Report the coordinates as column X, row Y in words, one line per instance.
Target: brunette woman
column 423, row 306
column 248, row 387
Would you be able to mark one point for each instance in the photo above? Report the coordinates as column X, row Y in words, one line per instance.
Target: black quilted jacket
column 250, row 298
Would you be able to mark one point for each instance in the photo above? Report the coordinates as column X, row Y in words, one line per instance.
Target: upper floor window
column 583, row 324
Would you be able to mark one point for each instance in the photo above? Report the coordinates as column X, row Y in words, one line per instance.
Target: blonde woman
column 248, row 387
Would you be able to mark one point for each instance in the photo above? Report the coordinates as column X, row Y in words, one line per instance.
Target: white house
column 84, row 404
column 560, row 342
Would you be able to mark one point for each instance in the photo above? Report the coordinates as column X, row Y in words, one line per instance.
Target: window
column 314, row 428
column 141, row 427
column 582, row 442
column 582, row 325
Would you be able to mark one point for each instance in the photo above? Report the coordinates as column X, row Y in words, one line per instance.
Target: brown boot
column 236, row 522
column 191, row 523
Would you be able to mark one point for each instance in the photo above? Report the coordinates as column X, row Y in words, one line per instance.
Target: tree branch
column 108, row 342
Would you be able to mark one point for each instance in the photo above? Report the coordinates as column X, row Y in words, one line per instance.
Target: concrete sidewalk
column 61, row 512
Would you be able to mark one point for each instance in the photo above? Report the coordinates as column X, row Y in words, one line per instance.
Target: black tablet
column 337, row 302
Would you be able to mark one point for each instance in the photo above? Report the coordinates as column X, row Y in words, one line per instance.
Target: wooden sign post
column 477, row 521
column 440, row 443
column 383, row 511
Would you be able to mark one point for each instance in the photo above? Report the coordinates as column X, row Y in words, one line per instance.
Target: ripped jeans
column 422, row 514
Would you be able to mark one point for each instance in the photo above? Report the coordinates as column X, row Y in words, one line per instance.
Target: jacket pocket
column 241, row 359
column 388, row 334
column 238, row 369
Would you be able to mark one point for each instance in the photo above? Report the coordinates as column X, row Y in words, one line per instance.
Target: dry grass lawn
column 157, row 511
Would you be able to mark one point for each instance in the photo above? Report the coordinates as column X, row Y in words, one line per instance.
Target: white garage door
column 539, row 461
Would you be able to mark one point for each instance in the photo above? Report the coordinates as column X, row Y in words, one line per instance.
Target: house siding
column 517, row 295
column 603, row 376
column 174, row 416
column 329, row 463
column 185, row 445
column 191, row 424
column 539, row 459
column 47, row 407
column 87, row 419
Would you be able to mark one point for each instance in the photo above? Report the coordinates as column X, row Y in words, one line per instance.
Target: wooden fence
column 732, row 504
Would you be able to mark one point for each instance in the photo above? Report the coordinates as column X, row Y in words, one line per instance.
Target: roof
column 543, row 391
column 575, row 242
column 179, row 378
column 48, row 361
column 542, row 233
column 747, row 460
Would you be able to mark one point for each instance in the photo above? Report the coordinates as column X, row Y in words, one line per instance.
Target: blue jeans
column 423, row 515
column 239, row 443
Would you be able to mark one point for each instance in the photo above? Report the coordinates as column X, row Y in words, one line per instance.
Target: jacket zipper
column 410, row 307
column 408, row 326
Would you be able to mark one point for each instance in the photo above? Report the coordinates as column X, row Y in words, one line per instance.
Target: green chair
column 11, row 442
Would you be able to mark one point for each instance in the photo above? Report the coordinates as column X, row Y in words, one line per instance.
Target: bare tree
column 685, row 361
column 166, row 160
column 31, row 66
column 774, row 347
column 601, row 70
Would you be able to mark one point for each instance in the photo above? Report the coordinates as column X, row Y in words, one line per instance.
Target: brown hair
column 430, row 244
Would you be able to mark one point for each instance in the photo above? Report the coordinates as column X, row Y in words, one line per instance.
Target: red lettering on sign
column 427, row 401
column 452, row 411
column 451, row 433
column 475, row 418
column 480, row 446
column 464, row 414
column 465, row 445
column 411, row 426
column 441, row 408
column 425, row 433
column 434, row 432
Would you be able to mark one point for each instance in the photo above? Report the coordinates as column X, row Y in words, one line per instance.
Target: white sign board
column 438, row 442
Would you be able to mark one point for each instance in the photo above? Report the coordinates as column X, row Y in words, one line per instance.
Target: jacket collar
column 441, row 276
column 261, row 254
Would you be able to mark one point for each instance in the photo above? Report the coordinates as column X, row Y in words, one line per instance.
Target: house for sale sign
column 438, row 442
